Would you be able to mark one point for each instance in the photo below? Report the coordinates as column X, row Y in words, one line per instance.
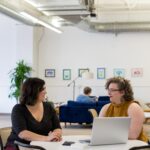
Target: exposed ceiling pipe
column 122, row 27
column 14, row 9
column 14, row 15
column 107, row 17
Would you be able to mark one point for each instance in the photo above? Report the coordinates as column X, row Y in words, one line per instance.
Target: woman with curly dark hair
column 123, row 105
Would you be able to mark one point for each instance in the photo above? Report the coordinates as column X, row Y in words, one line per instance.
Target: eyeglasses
column 112, row 90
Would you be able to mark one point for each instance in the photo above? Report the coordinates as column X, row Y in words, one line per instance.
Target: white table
column 85, row 146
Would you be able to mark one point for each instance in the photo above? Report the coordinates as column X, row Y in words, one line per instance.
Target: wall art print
column 66, row 74
column 80, row 71
column 136, row 72
column 101, row 73
column 49, row 72
column 119, row 72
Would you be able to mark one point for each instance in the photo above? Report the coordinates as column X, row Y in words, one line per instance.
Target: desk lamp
column 85, row 74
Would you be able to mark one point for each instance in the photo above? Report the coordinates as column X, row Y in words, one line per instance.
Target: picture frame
column 66, row 74
column 49, row 72
column 101, row 73
column 136, row 72
column 119, row 72
column 82, row 70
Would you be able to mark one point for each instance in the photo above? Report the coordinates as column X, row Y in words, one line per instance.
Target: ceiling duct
column 117, row 15
column 89, row 4
column 14, row 15
column 89, row 15
column 122, row 27
column 26, row 13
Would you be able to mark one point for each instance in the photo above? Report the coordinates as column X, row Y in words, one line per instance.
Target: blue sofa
column 77, row 112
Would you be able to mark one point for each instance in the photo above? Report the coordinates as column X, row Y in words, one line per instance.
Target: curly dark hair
column 30, row 90
column 123, row 85
column 87, row 90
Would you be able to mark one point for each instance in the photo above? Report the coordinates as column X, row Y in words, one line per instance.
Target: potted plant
column 17, row 76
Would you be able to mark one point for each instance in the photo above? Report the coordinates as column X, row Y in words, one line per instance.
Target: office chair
column 146, row 147
column 4, row 133
column 1, row 144
column 22, row 146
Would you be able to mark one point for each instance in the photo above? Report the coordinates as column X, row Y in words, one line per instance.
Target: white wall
column 15, row 44
column 76, row 49
column 73, row 49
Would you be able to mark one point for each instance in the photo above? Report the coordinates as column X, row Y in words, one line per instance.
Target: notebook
column 110, row 130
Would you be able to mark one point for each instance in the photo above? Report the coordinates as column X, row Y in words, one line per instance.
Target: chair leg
column 65, row 124
column 1, row 143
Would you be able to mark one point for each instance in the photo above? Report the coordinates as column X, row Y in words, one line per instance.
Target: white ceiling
column 90, row 15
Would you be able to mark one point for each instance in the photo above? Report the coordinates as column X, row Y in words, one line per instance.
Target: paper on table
column 78, row 146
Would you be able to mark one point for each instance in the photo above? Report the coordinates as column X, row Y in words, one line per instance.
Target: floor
column 73, row 129
column 5, row 120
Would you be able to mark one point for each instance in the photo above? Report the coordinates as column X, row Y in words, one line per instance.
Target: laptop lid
column 110, row 130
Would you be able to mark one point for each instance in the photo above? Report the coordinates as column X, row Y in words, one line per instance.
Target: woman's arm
column 137, row 118
column 103, row 110
column 31, row 136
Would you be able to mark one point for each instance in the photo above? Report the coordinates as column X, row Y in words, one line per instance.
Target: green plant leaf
column 17, row 76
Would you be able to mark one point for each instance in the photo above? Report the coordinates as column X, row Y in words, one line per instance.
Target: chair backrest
column 4, row 133
column 22, row 146
column 93, row 112
column 146, row 147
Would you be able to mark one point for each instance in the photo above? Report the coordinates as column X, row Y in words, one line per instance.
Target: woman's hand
column 56, row 135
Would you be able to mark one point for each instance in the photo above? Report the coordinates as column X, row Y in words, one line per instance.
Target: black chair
column 22, row 146
column 1, row 143
column 146, row 147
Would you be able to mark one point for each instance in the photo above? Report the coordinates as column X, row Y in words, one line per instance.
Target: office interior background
column 75, row 48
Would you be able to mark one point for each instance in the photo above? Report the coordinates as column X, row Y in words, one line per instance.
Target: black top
column 22, row 119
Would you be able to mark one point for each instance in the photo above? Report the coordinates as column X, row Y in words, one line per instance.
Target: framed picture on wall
column 119, row 72
column 100, row 73
column 66, row 74
column 49, row 72
column 80, row 71
column 137, row 72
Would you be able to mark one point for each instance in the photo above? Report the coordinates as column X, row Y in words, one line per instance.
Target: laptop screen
column 110, row 130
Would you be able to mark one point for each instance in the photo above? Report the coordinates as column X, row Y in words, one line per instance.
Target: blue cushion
column 102, row 103
column 74, row 103
column 103, row 98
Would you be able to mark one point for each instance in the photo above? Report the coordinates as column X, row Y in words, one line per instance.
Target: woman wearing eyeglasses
column 33, row 119
column 123, row 105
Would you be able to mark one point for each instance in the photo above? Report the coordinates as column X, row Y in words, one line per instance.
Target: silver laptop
column 110, row 130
